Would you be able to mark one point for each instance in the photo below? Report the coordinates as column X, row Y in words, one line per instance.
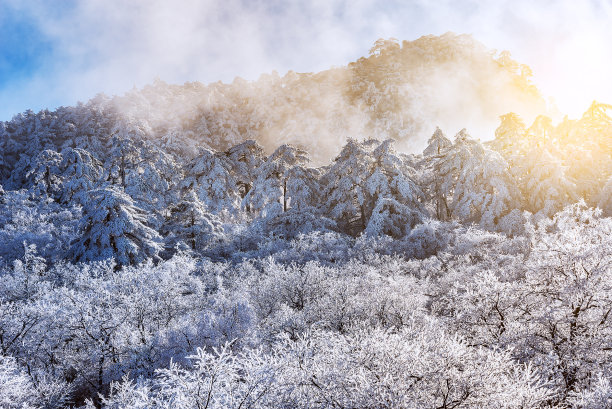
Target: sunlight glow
column 577, row 74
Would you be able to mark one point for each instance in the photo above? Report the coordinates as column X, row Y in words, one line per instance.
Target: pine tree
column 395, row 199
column 344, row 186
column 431, row 181
column 43, row 177
column 209, row 175
column 301, row 188
column 151, row 182
column 369, row 180
column 270, row 194
column 478, row 182
column 545, row 186
column 245, row 158
column 190, row 222
column 113, row 227
column 509, row 136
column 80, row 172
column 437, row 143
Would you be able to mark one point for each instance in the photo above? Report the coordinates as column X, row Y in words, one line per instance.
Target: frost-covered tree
column 190, row 222
column 477, row 179
column 418, row 365
column 16, row 388
column 566, row 299
column 368, row 181
column 113, row 227
column 81, row 172
column 269, row 194
column 245, row 159
column 545, row 186
column 35, row 220
column 344, row 186
column 437, row 143
column 394, row 193
column 152, row 181
column 124, row 154
column 430, row 179
column 509, row 136
column 301, row 188
column 541, row 131
column 209, row 175
column 43, row 177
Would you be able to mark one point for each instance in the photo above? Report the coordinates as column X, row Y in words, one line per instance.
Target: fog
column 112, row 46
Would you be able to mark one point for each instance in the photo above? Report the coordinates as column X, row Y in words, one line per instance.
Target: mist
column 399, row 91
column 110, row 46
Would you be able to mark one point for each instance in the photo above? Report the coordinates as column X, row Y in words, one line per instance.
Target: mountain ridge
column 400, row 91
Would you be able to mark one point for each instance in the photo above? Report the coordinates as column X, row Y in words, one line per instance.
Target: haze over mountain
column 400, row 91
column 57, row 54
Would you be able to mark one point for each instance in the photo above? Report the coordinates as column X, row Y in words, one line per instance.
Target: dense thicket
column 163, row 250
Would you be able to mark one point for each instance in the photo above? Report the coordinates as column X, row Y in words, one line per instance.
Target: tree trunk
column 284, row 195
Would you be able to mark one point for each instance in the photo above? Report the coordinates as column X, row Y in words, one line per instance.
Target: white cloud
column 111, row 45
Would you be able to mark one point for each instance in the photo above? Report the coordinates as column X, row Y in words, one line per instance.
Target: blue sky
column 60, row 52
column 23, row 48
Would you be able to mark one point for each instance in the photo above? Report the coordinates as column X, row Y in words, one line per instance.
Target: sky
column 55, row 53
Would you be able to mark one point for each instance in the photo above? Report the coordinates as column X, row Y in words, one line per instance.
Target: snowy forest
column 288, row 242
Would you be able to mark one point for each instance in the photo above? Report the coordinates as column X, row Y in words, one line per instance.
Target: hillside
column 399, row 91
column 310, row 241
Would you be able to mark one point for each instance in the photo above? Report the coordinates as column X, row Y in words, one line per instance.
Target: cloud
column 112, row 45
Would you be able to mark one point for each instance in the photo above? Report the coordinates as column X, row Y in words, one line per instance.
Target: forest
column 288, row 243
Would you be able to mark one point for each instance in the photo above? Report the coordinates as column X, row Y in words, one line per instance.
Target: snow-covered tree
column 509, row 136
column 16, row 388
column 437, row 143
column 245, row 159
column 43, row 177
column 545, row 186
column 209, row 175
column 35, row 220
column 344, row 186
column 152, row 181
column 477, row 179
column 269, row 194
column 563, row 309
column 124, row 153
column 368, row 180
column 541, row 131
column 191, row 222
column 301, row 188
column 81, row 172
column 394, row 193
column 113, row 227
column 430, row 180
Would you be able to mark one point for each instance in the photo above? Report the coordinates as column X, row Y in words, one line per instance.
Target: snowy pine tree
column 478, row 182
column 395, row 196
column 269, row 194
column 190, row 222
column 509, row 136
column 437, row 143
column 545, row 186
column 209, row 175
column 81, row 172
column 113, row 227
column 43, row 178
column 344, row 187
